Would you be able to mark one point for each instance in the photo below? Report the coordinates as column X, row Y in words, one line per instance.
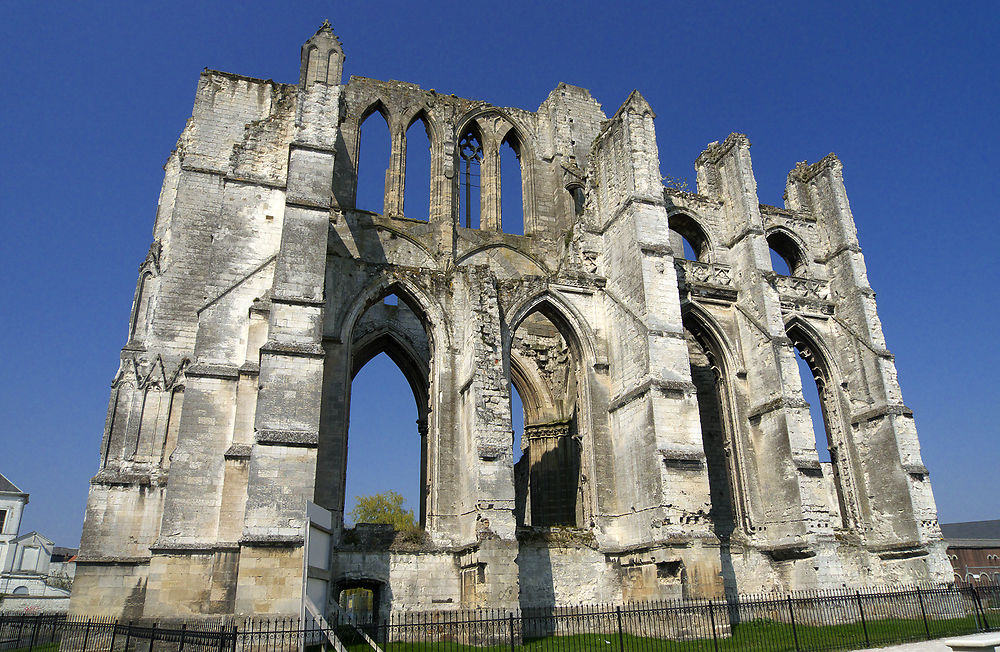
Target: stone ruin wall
column 668, row 449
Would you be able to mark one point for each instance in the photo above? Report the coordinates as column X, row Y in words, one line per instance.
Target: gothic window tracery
column 470, row 152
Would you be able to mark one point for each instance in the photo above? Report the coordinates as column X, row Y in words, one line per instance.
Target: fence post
column 86, row 635
column 128, row 635
column 152, row 637
column 621, row 638
column 979, row 607
column 34, row 635
column 510, row 623
column 711, row 619
column 864, row 623
column 180, row 646
column 114, row 633
column 923, row 612
column 795, row 634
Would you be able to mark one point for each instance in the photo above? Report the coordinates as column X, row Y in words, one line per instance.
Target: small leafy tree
column 385, row 507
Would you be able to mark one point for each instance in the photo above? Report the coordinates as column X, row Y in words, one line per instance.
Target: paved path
column 919, row 646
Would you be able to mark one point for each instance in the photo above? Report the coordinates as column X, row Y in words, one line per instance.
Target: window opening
column 511, row 189
column 779, row 264
column 786, row 258
column 810, row 393
column 3, row 519
column 709, row 384
column 391, row 300
column 374, row 150
column 579, row 199
column 470, row 152
column 417, row 188
column 688, row 237
column 827, row 429
column 383, row 417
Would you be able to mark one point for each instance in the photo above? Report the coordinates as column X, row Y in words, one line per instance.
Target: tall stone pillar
column 778, row 414
column 656, row 432
column 486, row 418
column 283, row 458
column 900, row 506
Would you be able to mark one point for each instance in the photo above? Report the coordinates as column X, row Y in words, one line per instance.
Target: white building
column 29, row 580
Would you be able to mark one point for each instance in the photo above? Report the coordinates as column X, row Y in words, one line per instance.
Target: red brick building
column 974, row 551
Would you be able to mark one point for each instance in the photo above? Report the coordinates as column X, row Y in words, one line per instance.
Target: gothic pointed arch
column 847, row 512
column 789, row 248
column 693, row 232
column 548, row 364
column 712, row 372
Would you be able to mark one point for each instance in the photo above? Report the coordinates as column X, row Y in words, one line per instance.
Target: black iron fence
column 797, row 622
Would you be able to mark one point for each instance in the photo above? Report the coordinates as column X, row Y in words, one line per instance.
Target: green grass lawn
column 759, row 635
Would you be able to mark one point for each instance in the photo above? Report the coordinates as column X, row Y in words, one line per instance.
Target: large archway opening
column 820, row 391
column 712, row 393
column 387, row 414
column 544, row 370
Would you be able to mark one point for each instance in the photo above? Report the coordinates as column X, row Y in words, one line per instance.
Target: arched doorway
column 545, row 367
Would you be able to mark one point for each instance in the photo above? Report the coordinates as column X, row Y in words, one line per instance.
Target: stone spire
column 322, row 58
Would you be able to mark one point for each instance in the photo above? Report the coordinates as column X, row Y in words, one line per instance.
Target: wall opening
column 388, row 406
column 688, row 237
column 511, row 187
column 786, row 256
column 360, row 602
column 716, row 438
column 579, row 199
column 383, row 418
column 544, row 368
column 820, row 391
column 417, row 188
column 470, row 159
column 374, row 149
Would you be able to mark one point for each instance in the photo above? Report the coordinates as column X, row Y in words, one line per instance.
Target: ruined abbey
column 667, row 450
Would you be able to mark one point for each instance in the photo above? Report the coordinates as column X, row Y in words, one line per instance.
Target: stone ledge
column 881, row 411
column 197, row 548
column 207, row 370
column 238, row 452
column 807, row 463
column 665, row 386
column 111, row 478
column 112, row 561
column 271, row 541
column 300, row 350
column 275, row 437
column 298, row 301
column 760, row 410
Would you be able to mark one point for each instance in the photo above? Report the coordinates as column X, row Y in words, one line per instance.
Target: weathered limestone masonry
column 668, row 450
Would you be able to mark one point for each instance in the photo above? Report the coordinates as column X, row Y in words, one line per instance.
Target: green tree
column 387, row 508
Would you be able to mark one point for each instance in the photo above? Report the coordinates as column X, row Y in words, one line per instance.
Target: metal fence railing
column 795, row 622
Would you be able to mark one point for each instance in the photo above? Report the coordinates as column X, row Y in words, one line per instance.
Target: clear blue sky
column 97, row 93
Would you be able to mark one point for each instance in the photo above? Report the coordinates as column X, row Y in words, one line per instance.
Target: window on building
column 786, row 256
column 3, row 519
column 470, row 151
column 21, row 590
column 417, row 193
column 373, row 161
column 511, row 190
column 688, row 236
